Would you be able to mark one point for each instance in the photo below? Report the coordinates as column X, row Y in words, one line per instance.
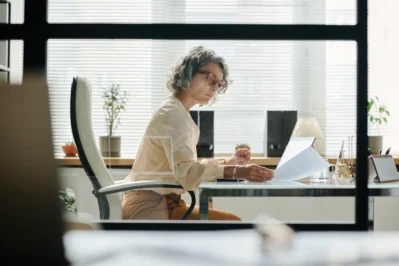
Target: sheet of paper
column 302, row 165
column 294, row 147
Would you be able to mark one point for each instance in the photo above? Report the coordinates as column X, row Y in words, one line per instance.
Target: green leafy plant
column 115, row 102
column 67, row 200
column 377, row 114
column 69, row 143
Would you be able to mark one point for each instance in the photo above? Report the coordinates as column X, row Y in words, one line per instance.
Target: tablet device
column 382, row 168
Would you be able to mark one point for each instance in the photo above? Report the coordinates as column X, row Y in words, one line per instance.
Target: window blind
column 340, row 81
column 383, row 71
column 383, row 41
column 205, row 11
column 267, row 75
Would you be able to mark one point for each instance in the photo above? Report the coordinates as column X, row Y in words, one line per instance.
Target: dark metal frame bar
column 152, row 225
column 36, row 31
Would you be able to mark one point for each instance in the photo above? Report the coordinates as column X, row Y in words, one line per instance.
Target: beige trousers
column 148, row 205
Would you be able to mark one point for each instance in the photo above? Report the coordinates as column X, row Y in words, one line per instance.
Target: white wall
column 287, row 209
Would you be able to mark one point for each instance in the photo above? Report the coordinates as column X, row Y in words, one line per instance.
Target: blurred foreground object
column 275, row 235
column 31, row 226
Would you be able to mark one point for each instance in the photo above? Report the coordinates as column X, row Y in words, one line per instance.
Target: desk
column 307, row 188
column 128, row 161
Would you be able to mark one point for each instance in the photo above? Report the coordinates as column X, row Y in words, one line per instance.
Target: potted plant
column 69, row 148
column 242, row 145
column 67, row 200
column 115, row 102
column 377, row 115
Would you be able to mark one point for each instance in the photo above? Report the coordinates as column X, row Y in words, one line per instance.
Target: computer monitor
column 280, row 125
column 205, row 122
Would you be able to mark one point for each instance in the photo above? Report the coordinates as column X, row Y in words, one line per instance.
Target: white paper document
column 299, row 160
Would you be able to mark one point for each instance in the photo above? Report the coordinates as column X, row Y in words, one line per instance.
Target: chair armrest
column 121, row 187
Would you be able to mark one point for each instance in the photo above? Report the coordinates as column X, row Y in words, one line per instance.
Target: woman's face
column 205, row 82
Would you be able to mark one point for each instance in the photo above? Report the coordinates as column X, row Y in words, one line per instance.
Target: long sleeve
column 191, row 174
column 179, row 137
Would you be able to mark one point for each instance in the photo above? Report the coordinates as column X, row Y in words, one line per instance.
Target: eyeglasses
column 213, row 80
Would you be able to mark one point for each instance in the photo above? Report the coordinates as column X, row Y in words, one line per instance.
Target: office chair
column 105, row 189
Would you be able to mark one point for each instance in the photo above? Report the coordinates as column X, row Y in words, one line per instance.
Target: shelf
column 4, row 69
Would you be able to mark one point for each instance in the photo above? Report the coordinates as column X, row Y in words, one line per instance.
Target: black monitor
column 280, row 125
column 206, row 144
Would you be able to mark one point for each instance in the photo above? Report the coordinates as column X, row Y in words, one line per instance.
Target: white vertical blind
column 267, row 75
column 205, row 11
column 262, row 80
column 383, row 40
column 127, row 63
column 383, row 64
column 340, row 96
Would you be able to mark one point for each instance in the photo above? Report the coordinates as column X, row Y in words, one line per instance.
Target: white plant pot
column 110, row 146
column 375, row 144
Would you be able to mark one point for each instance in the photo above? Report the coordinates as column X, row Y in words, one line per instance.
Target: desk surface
column 238, row 247
column 342, row 183
column 128, row 162
column 342, row 187
column 304, row 188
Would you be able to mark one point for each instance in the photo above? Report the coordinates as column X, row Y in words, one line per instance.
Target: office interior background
column 316, row 78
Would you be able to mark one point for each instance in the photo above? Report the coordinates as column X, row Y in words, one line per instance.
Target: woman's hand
column 254, row 173
column 241, row 156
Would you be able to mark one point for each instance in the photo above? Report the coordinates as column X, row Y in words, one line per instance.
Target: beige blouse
column 168, row 151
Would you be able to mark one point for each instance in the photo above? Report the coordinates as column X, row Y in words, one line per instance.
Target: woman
column 168, row 149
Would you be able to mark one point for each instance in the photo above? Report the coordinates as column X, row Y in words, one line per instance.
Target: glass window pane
column 12, row 11
column 218, row 12
column 315, row 78
column 302, row 76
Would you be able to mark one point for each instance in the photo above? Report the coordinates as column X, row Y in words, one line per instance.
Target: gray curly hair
column 187, row 66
